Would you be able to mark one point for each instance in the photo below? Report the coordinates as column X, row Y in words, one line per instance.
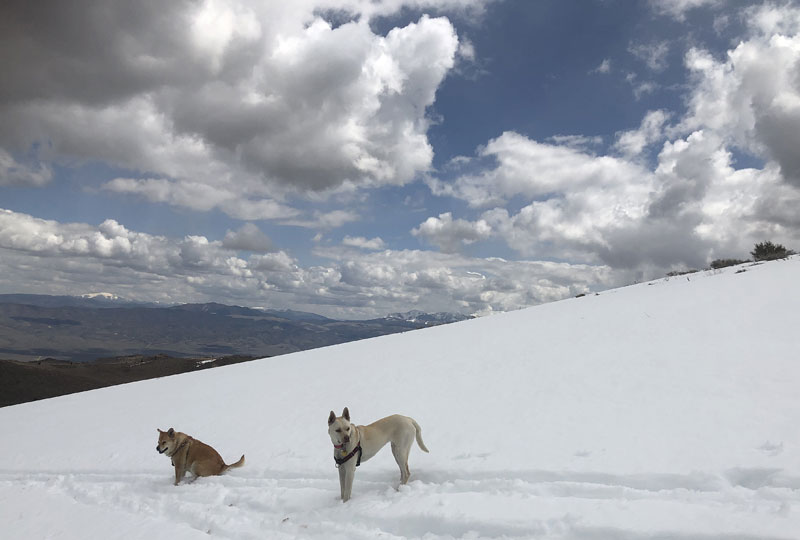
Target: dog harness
column 179, row 448
column 345, row 459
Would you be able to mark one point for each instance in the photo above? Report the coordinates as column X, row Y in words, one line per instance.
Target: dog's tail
column 234, row 465
column 419, row 435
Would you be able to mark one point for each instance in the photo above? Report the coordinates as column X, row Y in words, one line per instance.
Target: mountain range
column 97, row 326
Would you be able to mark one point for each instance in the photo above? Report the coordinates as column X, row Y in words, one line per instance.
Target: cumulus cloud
column 324, row 220
column 202, row 196
column 474, row 285
column 235, row 96
column 15, row 173
column 689, row 204
column 752, row 96
column 449, row 234
column 248, row 238
column 238, row 107
column 532, row 169
column 363, row 243
column 651, row 130
column 466, row 50
column 58, row 258
column 574, row 199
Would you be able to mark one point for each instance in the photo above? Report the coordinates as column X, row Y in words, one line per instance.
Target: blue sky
column 355, row 158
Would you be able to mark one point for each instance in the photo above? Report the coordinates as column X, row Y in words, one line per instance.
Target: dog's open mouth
column 160, row 451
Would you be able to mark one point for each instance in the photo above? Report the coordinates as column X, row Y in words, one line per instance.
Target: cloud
column 325, row 220
column 14, row 173
column 256, row 209
column 686, row 168
column 527, row 168
column 238, row 97
column 469, row 64
column 604, row 67
column 577, row 142
column 654, row 55
column 751, row 98
column 450, row 235
column 651, row 130
column 363, row 243
column 248, row 238
column 640, row 88
column 46, row 256
column 203, row 197
column 641, row 220
column 679, row 8
column 475, row 285
column 284, row 99
column 466, row 50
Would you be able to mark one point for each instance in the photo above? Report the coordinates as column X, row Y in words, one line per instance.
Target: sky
column 355, row 158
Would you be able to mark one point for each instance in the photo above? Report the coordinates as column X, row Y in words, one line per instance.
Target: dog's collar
column 345, row 459
column 178, row 449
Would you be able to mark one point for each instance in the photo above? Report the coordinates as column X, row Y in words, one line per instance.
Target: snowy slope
column 661, row 410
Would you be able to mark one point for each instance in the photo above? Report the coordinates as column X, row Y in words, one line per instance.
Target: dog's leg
column 347, row 479
column 400, row 453
column 179, row 472
column 342, row 482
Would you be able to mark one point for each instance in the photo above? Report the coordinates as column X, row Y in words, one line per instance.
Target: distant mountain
column 85, row 329
column 429, row 319
column 104, row 295
column 293, row 315
column 213, row 308
column 222, row 309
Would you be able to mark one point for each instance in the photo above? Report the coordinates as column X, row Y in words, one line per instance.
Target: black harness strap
column 178, row 449
column 345, row 459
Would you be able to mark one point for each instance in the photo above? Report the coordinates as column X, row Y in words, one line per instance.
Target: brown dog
column 189, row 454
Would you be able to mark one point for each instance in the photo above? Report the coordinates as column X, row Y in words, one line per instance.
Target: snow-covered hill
column 668, row 409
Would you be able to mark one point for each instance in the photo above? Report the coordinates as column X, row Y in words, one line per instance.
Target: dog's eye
column 339, row 430
column 348, row 428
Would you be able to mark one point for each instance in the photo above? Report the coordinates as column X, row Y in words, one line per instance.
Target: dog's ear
column 346, row 414
column 171, row 433
column 159, row 430
column 332, row 418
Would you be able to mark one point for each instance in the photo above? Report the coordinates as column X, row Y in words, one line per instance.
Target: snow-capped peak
column 104, row 295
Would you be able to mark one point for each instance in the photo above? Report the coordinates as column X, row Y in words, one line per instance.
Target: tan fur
column 400, row 431
column 190, row 455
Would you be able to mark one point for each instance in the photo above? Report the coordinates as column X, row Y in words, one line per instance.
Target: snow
column 105, row 295
column 661, row 410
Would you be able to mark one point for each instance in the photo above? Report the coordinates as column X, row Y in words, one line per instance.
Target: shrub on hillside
column 676, row 273
column 724, row 263
column 767, row 251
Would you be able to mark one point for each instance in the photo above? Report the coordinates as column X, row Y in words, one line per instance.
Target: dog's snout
column 347, row 438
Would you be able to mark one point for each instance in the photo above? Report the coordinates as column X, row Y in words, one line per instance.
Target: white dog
column 353, row 444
